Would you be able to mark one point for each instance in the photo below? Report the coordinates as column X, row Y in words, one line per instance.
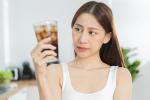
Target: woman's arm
column 123, row 89
column 48, row 77
column 50, row 85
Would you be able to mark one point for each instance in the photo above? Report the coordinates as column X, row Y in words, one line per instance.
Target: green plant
column 5, row 76
column 132, row 66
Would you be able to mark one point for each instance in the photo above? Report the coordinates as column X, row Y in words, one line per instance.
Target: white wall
column 141, row 88
column 1, row 36
column 133, row 21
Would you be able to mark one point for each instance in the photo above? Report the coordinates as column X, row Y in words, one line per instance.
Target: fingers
column 46, row 40
column 42, row 47
column 37, row 55
column 44, row 52
column 49, row 59
column 43, row 62
column 48, row 53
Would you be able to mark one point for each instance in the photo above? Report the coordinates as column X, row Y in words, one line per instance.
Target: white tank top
column 69, row 93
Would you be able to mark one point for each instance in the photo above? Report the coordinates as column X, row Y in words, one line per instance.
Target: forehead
column 88, row 20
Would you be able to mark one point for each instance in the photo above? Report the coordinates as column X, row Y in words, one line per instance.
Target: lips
column 82, row 48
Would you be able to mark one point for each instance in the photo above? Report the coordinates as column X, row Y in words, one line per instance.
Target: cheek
column 75, row 37
column 97, row 43
column 100, row 38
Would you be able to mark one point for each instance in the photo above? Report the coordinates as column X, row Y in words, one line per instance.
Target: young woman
column 98, row 71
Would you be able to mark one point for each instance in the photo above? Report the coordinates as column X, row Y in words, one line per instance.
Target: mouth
column 82, row 49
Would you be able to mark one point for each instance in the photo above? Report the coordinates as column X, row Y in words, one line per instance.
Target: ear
column 107, row 38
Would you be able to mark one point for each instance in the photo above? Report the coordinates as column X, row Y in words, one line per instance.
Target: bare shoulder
column 123, row 75
column 123, row 89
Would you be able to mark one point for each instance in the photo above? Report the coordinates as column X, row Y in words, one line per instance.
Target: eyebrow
column 88, row 27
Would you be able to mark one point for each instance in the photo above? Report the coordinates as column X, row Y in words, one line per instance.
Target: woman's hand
column 42, row 54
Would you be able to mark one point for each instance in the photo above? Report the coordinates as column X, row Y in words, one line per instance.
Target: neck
column 88, row 62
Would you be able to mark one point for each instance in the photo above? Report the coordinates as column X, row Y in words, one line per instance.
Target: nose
column 83, row 38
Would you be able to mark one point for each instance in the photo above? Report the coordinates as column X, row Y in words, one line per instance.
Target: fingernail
column 54, row 48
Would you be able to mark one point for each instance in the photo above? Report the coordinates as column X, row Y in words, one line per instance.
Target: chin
column 82, row 55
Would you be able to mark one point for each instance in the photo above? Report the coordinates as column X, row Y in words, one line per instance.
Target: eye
column 77, row 29
column 92, row 33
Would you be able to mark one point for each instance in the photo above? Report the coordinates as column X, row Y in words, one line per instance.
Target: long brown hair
column 110, row 52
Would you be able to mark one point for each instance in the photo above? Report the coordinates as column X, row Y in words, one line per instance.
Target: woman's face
column 88, row 35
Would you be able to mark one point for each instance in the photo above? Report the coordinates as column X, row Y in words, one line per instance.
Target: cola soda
column 48, row 29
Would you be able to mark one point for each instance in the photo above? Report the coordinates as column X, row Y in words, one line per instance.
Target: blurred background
column 17, row 39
